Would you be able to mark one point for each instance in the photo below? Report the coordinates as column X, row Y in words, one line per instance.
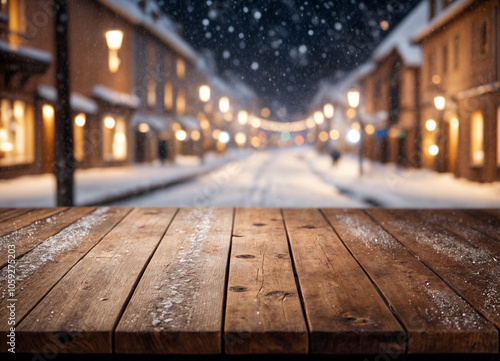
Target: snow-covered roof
column 26, row 51
column 155, row 121
column 401, row 37
column 77, row 101
column 161, row 26
column 188, row 122
column 442, row 19
column 113, row 97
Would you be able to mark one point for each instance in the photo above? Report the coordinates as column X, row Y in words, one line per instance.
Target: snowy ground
column 297, row 177
column 98, row 184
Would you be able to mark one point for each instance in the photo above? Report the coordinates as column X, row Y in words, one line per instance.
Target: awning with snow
column 114, row 97
column 22, row 61
column 77, row 101
column 156, row 122
column 187, row 122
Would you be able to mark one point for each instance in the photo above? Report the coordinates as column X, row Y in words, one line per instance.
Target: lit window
column 79, row 137
column 151, row 93
column 456, row 52
column 169, row 97
column 181, row 102
column 16, row 132
column 181, row 69
column 16, row 15
column 114, row 139
column 477, row 137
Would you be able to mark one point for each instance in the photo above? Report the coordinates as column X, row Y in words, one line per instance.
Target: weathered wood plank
column 32, row 235
column 345, row 313
column 39, row 270
column 8, row 213
column 177, row 306
column 84, row 307
column 263, row 311
column 436, row 318
column 473, row 272
column 486, row 221
column 462, row 225
column 23, row 220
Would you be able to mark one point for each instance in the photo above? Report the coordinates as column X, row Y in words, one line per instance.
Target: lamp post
column 440, row 104
column 204, row 94
column 353, row 100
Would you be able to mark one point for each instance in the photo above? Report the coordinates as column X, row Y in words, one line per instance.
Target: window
column 377, row 90
column 169, row 97
column 151, row 97
column 79, row 137
column 483, row 33
column 432, row 68
column 477, row 137
column 181, row 69
column 14, row 9
column 445, row 58
column 432, row 7
column 456, row 52
column 16, row 132
column 114, row 139
column 181, row 102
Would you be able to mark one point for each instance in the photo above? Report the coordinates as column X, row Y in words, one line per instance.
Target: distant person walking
column 335, row 154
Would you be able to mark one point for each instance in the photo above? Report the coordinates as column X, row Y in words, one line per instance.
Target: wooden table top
column 250, row 281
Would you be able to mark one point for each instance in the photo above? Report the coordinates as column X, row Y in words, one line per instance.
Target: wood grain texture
column 8, row 213
column 25, row 219
column 39, row 270
column 436, row 318
column 177, row 306
column 84, row 307
column 32, row 235
column 486, row 221
column 473, row 272
column 263, row 311
column 345, row 313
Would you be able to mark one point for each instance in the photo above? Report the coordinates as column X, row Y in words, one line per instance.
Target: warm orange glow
column 319, row 118
column 224, row 104
column 369, row 129
column 328, row 110
column 195, row 135
column 299, row 139
column 181, row 135
column 265, row 112
column 353, row 98
column 323, row 136
column 242, row 117
column 334, row 134
column 80, row 120
column 205, row 124
column 351, row 113
column 430, row 125
column 143, row 127
column 436, row 79
column 439, row 102
column 48, row 111
column 433, row 150
column 240, row 138
column 255, row 142
column 114, row 39
column 204, row 93
column 477, row 139
column 109, row 122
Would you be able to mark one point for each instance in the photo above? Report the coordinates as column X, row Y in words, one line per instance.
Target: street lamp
column 224, row 104
column 329, row 110
column 204, row 93
column 353, row 96
column 114, row 39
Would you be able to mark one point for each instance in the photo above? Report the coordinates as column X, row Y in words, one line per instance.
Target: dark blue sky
column 283, row 48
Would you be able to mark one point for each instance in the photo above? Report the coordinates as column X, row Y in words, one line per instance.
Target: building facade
column 461, row 65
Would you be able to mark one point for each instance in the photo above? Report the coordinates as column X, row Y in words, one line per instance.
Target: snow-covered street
column 300, row 177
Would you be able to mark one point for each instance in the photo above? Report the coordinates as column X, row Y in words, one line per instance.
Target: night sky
column 283, row 48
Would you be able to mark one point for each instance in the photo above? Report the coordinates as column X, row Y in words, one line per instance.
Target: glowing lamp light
column 255, row 142
column 48, row 111
column 323, row 136
column 439, row 102
column 109, row 122
column 80, row 120
column 224, row 137
column 351, row 113
column 353, row 136
column 120, row 138
column 369, row 129
column 144, row 127
column 240, row 138
column 319, row 118
column 181, row 135
column 114, row 39
column 256, row 122
column 7, row 147
column 195, row 135
column 242, row 117
column 265, row 112
column 204, row 93
column 353, row 98
column 454, row 123
column 224, row 104
column 215, row 134
column 433, row 149
column 299, row 139
column 329, row 110
column 430, row 125
column 334, row 134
